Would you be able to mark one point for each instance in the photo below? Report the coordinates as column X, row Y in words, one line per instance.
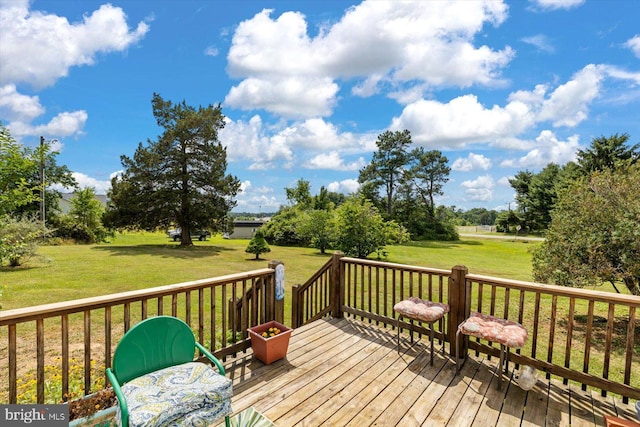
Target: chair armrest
column 124, row 409
column 211, row 357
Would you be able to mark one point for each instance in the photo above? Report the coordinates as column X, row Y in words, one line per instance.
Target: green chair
column 157, row 383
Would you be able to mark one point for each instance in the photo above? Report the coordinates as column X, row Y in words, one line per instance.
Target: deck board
column 345, row 372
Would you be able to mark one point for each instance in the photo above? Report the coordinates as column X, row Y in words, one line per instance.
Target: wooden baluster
column 13, row 377
column 87, row 352
column 188, row 308
column 570, row 325
column 629, row 349
column 201, row 316
column 64, row 323
column 107, row 343
column 40, row 360
column 607, row 346
column 552, row 330
column 587, row 342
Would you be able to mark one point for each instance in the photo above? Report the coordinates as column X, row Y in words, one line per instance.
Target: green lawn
column 143, row 260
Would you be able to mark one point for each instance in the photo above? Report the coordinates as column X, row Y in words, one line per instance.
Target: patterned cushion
column 506, row 332
column 419, row 309
column 191, row 394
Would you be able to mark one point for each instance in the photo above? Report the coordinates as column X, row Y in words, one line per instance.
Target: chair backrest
column 154, row 343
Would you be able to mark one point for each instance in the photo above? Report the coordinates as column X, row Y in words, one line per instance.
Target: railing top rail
column 629, row 300
column 316, row 275
column 18, row 315
column 393, row 265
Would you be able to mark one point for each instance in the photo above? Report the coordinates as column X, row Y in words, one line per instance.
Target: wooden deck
column 345, row 372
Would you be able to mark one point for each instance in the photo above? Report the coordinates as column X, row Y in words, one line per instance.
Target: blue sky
column 307, row 86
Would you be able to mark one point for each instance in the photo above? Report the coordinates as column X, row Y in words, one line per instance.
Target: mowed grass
column 143, row 260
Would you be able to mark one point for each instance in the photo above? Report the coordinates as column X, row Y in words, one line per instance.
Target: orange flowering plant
column 271, row 332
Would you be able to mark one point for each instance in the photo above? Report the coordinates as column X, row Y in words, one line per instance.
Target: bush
column 258, row 245
column 20, row 239
column 68, row 227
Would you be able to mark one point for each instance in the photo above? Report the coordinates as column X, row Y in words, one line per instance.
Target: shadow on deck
column 343, row 372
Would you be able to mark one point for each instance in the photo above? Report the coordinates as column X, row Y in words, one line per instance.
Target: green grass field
column 144, row 260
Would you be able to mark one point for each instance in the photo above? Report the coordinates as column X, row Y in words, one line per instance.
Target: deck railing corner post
column 459, row 307
column 337, row 286
column 276, row 291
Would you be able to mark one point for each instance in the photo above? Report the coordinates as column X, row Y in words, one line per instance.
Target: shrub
column 258, row 245
column 20, row 239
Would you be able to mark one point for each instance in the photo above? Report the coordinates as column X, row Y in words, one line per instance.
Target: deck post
column 278, row 291
column 295, row 306
column 337, row 286
column 459, row 308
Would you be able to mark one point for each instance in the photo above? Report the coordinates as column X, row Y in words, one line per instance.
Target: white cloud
column 290, row 96
column 471, row 162
column 634, row 44
column 255, row 199
column 347, row 186
column 548, row 149
column 480, row 189
column 568, row 105
column 38, row 48
column 85, row 181
column 64, row 124
column 541, row 42
column 620, row 74
column 211, row 51
column 558, row 4
column 504, row 181
column 410, row 45
column 269, row 147
column 333, row 161
column 249, row 141
column 15, row 106
column 462, row 121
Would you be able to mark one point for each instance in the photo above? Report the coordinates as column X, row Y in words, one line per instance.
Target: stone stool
column 421, row 311
column 506, row 332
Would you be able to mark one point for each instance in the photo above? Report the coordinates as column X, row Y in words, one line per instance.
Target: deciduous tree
column 594, row 235
column 361, row 230
column 20, row 178
column 318, row 227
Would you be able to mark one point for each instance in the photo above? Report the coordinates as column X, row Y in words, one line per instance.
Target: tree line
column 588, row 209
column 395, row 203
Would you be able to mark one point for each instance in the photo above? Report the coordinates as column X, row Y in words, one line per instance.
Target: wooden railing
column 71, row 343
column 589, row 337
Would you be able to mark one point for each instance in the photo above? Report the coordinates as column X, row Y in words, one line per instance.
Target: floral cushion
column 506, row 332
column 419, row 309
column 191, row 394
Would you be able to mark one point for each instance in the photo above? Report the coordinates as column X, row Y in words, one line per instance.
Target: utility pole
column 42, row 192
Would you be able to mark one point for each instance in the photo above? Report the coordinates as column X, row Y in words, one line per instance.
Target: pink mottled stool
column 506, row 332
column 422, row 311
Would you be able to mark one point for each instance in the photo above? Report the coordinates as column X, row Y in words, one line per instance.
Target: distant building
column 244, row 229
column 65, row 201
